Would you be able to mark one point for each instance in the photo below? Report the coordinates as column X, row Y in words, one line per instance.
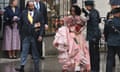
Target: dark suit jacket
column 113, row 36
column 27, row 29
column 9, row 14
column 106, row 25
column 93, row 31
column 43, row 11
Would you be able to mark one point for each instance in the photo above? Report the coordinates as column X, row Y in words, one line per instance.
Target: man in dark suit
column 112, row 34
column 93, row 35
column 41, row 8
column 32, row 30
column 108, row 17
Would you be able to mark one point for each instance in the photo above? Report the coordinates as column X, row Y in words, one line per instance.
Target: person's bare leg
column 10, row 54
column 14, row 54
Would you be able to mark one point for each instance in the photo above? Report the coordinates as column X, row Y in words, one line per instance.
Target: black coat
column 9, row 14
column 106, row 25
column 27, row 29
column 43, row 11
column 113, row 36
column 93, row 31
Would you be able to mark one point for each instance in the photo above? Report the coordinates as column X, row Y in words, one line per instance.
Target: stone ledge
column 5, row 60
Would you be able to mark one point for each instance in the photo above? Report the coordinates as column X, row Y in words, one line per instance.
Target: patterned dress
column 72, row 47
column 11, row 38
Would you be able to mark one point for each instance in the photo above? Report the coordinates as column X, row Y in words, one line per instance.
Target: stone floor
column 50, row 64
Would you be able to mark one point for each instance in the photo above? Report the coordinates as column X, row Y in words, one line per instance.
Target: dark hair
column 11, row 2
column 77, row 9
column 89, row 3
column 27, row 4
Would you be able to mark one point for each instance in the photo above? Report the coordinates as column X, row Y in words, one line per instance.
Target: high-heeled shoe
column 21, row 69
column 10, row 57
column 64, row 70
column 14, row 57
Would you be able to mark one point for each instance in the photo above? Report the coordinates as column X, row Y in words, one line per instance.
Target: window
column 3, row 3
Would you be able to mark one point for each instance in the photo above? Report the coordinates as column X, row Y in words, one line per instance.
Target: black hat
column 91, row 3
column 114, row 2
column 116, row 10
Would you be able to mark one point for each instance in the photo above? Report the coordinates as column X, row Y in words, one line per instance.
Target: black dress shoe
column 21, row 69
column 42, row 58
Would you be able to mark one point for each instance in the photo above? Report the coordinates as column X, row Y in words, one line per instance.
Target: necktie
column 37, row 5
column 30, row 18
column 31, row 14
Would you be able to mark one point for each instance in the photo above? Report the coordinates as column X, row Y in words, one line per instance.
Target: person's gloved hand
column 46, row 27
column 40, row 38
column 15, row 18
column 85, row 12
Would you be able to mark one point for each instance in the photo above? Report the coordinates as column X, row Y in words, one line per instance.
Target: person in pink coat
column 71, row 44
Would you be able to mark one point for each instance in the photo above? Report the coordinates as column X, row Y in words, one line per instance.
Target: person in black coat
column 11, row 39
column 109, row 16
column 113, row 38
column 41, row 8
column 32, row 28
column 93, row 35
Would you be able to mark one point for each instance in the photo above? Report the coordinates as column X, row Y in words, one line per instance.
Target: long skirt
column 73, row 50
column 11, row 39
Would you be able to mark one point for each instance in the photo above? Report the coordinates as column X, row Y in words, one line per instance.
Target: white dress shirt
column 31, row 13
column 37, row 5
